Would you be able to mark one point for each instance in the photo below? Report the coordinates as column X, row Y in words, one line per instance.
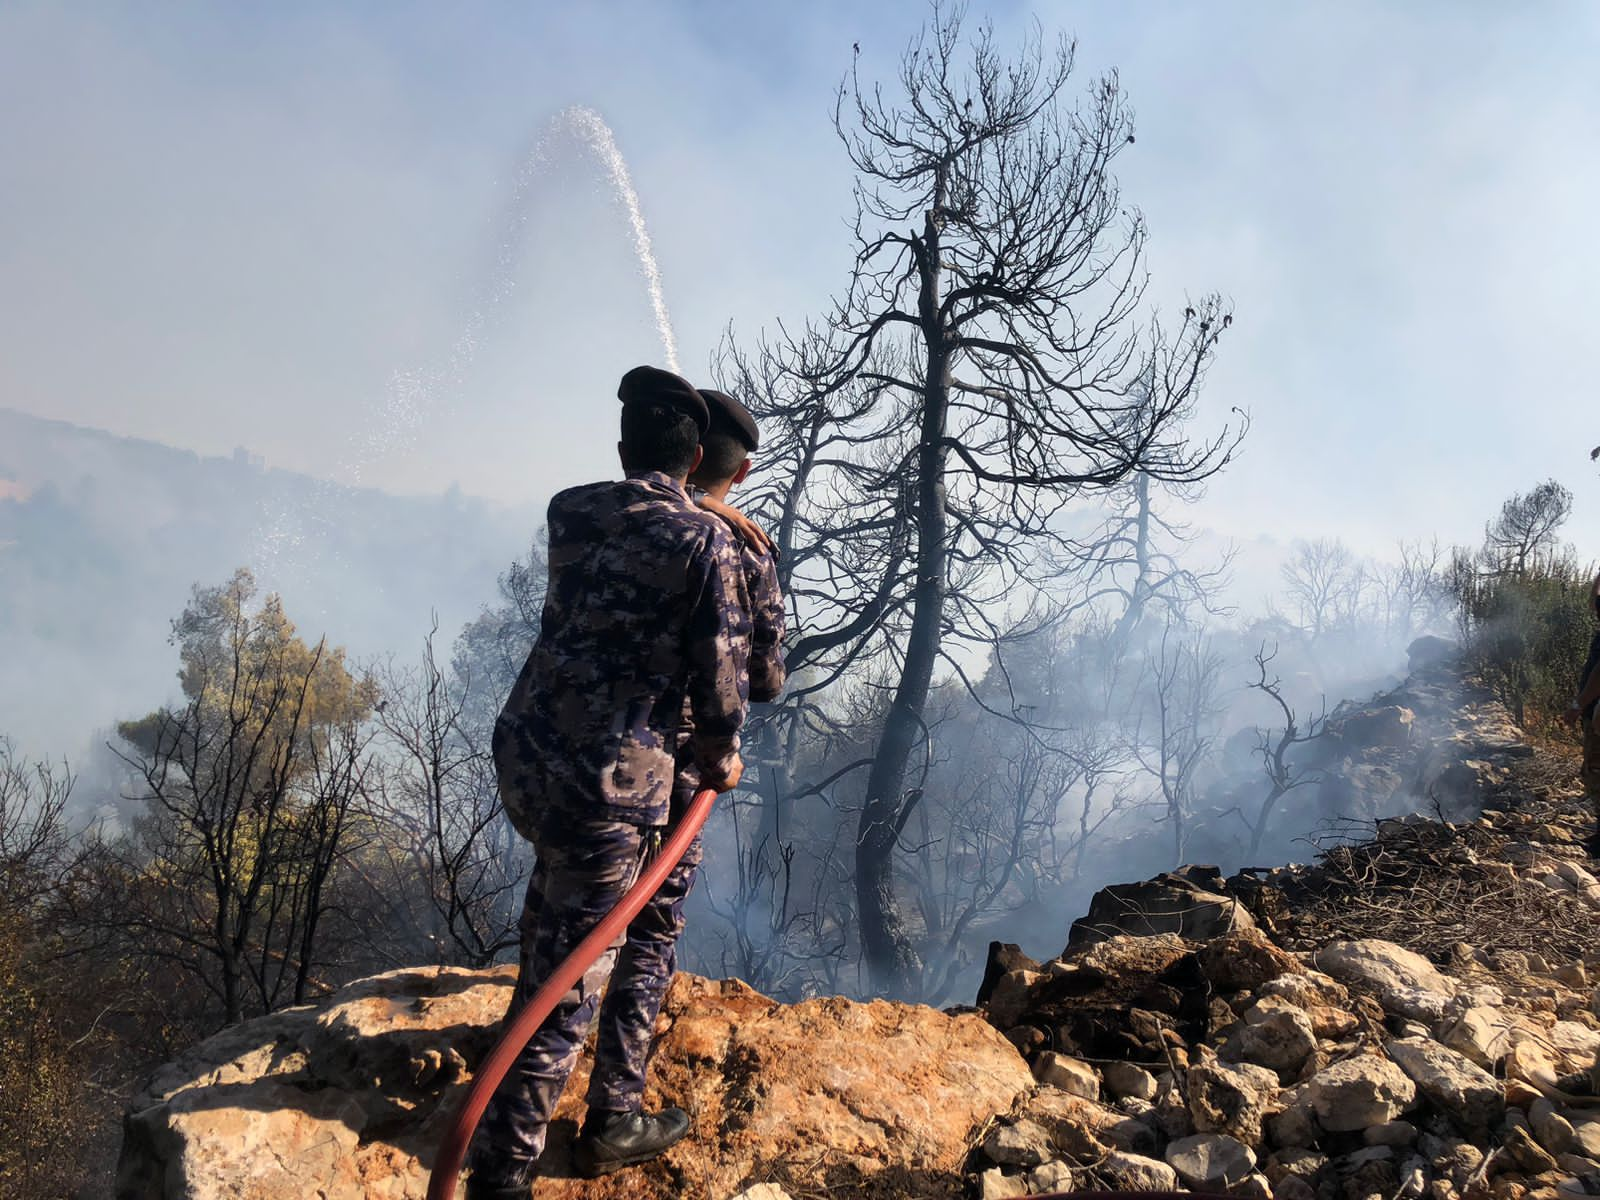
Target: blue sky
column 225, row 225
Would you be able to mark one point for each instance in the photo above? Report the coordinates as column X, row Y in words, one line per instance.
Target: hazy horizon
column 240, row 229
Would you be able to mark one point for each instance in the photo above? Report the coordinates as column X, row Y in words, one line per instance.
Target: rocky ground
column 1399, row 1019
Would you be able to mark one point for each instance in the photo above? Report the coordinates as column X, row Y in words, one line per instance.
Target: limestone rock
column 1388, row 727
column 1555, row 1132
column 1359, row 1092
column 1022, row 1144
column 1398, row 976
column 1296, row 1126
column 1230, row 1099
column 1167, row 904
column 1071, row 1075
column 1586, row 1138
column 1279, row 1037
column 1127, row 1079
column 995, row 1184
column 1244, row 960
column 763, row 1191
column 1481, row 1034
column 1009, row 999
column 1050, row 1177
column 1390, row 1133
column 1211, row 1161
column 341, row 1099
column 1136, row 1173
column 1468, row 1093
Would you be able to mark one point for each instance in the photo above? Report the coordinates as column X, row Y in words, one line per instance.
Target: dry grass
column 1429, row 886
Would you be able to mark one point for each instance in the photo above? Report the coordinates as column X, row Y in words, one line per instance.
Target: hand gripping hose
column 453, row 1150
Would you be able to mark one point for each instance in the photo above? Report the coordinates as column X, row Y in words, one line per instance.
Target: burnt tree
column 995, row 310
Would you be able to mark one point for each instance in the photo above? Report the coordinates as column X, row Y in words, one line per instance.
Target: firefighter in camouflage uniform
column 646, row 622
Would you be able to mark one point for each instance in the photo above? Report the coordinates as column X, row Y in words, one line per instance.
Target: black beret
column 731, row 412
column 651, row 384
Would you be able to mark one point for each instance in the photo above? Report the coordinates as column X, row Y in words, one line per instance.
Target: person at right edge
column 646, row 617
column 1582, row 712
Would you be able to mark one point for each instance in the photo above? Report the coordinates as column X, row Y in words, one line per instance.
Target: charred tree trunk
column 891, row 959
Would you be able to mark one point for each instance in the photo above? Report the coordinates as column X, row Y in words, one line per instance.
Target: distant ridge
column 102, row 537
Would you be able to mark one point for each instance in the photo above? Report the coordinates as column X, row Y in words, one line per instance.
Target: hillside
column 102, row 537
column 1400, row 1018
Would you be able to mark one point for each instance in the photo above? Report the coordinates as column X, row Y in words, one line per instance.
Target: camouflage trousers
column 584, row 865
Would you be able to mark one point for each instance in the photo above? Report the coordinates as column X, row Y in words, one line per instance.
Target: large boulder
column 1166, row 904
column 1429, row 651
column 346, row 1100
column 1388, row 727
column 1465, row 1091
column 1404, row 981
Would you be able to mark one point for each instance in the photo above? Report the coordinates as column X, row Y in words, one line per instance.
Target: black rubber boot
column 611, row 1141
column 483, row 1187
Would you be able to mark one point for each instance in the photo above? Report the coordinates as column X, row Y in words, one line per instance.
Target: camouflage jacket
column 767, row 670
column 646, row 620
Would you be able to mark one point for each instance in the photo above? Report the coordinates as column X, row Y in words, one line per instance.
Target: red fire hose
column 453, row 1151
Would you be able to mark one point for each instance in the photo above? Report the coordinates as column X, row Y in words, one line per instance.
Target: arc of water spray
column 412, row 392
column 593, row 129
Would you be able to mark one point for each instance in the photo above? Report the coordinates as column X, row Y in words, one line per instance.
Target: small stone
column 1124, row 1079
column 1527, row 1153
column 1416, row 1004
column 1280, row 1038
column 1136, row 1173
column 1023, row 1144
column 1230, row 1099
column 1050, row 1177
column 1211, row 1160
column 995, row 1184
column 1579, row 1043
column 1390, row 1133
column 1574, row 975
column 1071, row 1075
column 1028, row 1039
column 1414, row 1176
column 1295, row 1127
column 1009, row 1000
column 1481, row 1034
column 1359, row 1092
column 1253, row 1186
column 1130, row 1134
column 1555, row 1132
column 1586, row 1138
column 1310, row 990
column 1292, row 1187
column 763, row 1191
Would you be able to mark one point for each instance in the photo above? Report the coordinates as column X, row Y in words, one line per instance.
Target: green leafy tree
column 250, row 786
